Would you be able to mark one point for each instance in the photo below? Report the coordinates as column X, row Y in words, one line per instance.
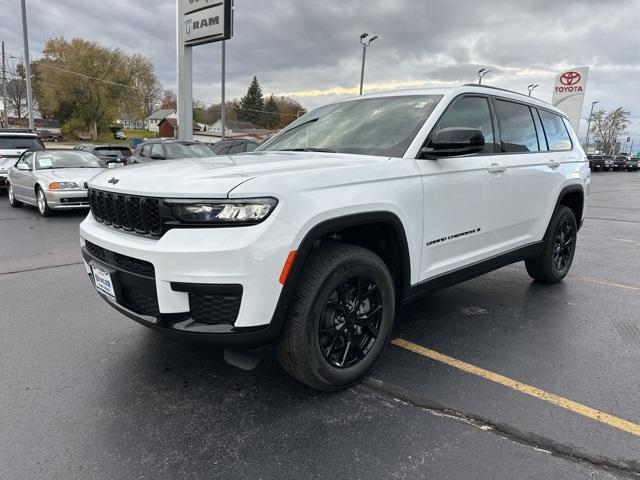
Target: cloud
column 311, row 49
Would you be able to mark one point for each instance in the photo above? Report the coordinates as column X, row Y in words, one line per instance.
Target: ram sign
column 206, row 21
column 568, row 93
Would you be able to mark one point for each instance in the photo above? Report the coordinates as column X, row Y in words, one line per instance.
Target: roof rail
column 503, row 90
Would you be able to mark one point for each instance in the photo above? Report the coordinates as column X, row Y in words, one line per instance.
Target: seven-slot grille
column 127, row 212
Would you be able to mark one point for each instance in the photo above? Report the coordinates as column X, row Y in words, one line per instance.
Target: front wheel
column 43, row 206
column 559, row 248
column 340, row 318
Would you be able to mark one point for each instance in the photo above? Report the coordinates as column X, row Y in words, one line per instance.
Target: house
column 168, row 127
column 153, row 120
column 127, row 122
column 232, row 126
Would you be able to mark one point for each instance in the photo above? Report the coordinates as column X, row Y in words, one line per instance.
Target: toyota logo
column 570, row 78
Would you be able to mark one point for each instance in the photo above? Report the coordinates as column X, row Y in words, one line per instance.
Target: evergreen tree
column 271, row 116
column 252, row 104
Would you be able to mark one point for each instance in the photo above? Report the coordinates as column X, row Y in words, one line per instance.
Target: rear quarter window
column 556, row 131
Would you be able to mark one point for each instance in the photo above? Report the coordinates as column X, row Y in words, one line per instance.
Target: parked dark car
column 112, row 155
column 630, row 163
column 619, row 162
column 596, row 162
column 49, row 136
column 229, row 147
column 169, row 150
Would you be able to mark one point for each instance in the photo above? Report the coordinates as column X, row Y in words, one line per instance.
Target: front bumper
column 66, row 199
column 187, row 283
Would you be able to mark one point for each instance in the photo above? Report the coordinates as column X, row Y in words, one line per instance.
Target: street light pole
column 27, row 64
column 5, row 115
column 365, row 43
column 481, row 74
column 223, row 119
column 593, row 104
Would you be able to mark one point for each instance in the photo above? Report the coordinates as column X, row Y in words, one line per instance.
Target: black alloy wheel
column 350, row 322
column 564, row 244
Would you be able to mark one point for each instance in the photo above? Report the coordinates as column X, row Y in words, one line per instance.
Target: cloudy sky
column 310, row 49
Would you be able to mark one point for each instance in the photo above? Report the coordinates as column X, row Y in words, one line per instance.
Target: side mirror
column 23, row 166
column 454, row 141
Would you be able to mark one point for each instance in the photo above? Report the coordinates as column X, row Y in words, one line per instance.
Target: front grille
column 130, row 213
column 130, row 264
column 140, row 303
column 214, row 309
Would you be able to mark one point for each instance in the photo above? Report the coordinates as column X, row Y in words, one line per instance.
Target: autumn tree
column 169, row 101
column 89, row 85
column 252, row 104
column 290, row 110
column 606, row 127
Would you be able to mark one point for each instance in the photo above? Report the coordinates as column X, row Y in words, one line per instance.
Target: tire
column 325, row 343
column 43, row 206
column 12, row 200
column 559, row 248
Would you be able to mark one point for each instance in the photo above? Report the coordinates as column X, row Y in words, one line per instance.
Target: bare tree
column 606, row 127
column 16, row 89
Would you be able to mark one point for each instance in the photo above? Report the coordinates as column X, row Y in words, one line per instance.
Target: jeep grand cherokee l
column 312, row 241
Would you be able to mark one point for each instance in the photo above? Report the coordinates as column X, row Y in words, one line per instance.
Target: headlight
column 244, row 211
column 63, row 186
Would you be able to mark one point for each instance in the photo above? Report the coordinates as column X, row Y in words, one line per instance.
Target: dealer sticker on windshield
column 102, row 281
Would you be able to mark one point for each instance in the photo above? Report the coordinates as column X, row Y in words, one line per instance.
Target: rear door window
column 556, row 131
column 518, row 132
column 20, row 143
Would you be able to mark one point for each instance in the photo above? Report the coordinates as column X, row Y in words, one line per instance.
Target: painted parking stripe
column 557, row 400
column 608, row 284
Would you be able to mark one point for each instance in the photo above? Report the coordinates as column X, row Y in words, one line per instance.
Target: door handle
column 496, row 168
column 553, row 164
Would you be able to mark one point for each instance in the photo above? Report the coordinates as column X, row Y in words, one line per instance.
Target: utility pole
column 365, row 43
column 222, row 102
column 593, row 104
column 5, row 115
column 27, row 64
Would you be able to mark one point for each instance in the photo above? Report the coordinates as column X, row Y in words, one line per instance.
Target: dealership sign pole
column 198, row 22
column 568, row 93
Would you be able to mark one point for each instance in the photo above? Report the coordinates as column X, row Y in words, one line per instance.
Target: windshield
column 382, row 126
column 113, row 152
column 187, row 150
column 72, row 159
column 20, row 143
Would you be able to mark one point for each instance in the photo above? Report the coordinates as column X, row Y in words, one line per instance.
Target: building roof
column 160, row 114
column 237, row 125
column 171, row 121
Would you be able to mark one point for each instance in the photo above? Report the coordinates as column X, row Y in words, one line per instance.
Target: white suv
column 312, row 241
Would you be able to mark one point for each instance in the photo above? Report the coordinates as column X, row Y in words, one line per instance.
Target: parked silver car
column 52, row 179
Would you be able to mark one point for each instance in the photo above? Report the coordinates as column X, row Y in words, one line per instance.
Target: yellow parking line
column 608, row 284
column 557, row 400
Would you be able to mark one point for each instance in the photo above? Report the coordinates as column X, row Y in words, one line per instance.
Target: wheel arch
column 572, row 196
column 327, row 230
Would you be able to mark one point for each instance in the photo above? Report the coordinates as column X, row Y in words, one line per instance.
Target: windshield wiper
column 307, row 149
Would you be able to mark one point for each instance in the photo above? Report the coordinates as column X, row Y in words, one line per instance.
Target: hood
column 78, row 175
column 215, row 177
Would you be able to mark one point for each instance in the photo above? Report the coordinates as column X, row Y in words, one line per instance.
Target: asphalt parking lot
column 496, row 378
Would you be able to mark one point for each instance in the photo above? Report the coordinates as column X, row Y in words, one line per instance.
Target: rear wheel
column 340, row 318
column 43, row 206
column 559, row 248
column 12, row 199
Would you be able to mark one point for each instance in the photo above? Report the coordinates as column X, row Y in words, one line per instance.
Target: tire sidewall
column 362, row 265
column 43, row 211
column 563, row 213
